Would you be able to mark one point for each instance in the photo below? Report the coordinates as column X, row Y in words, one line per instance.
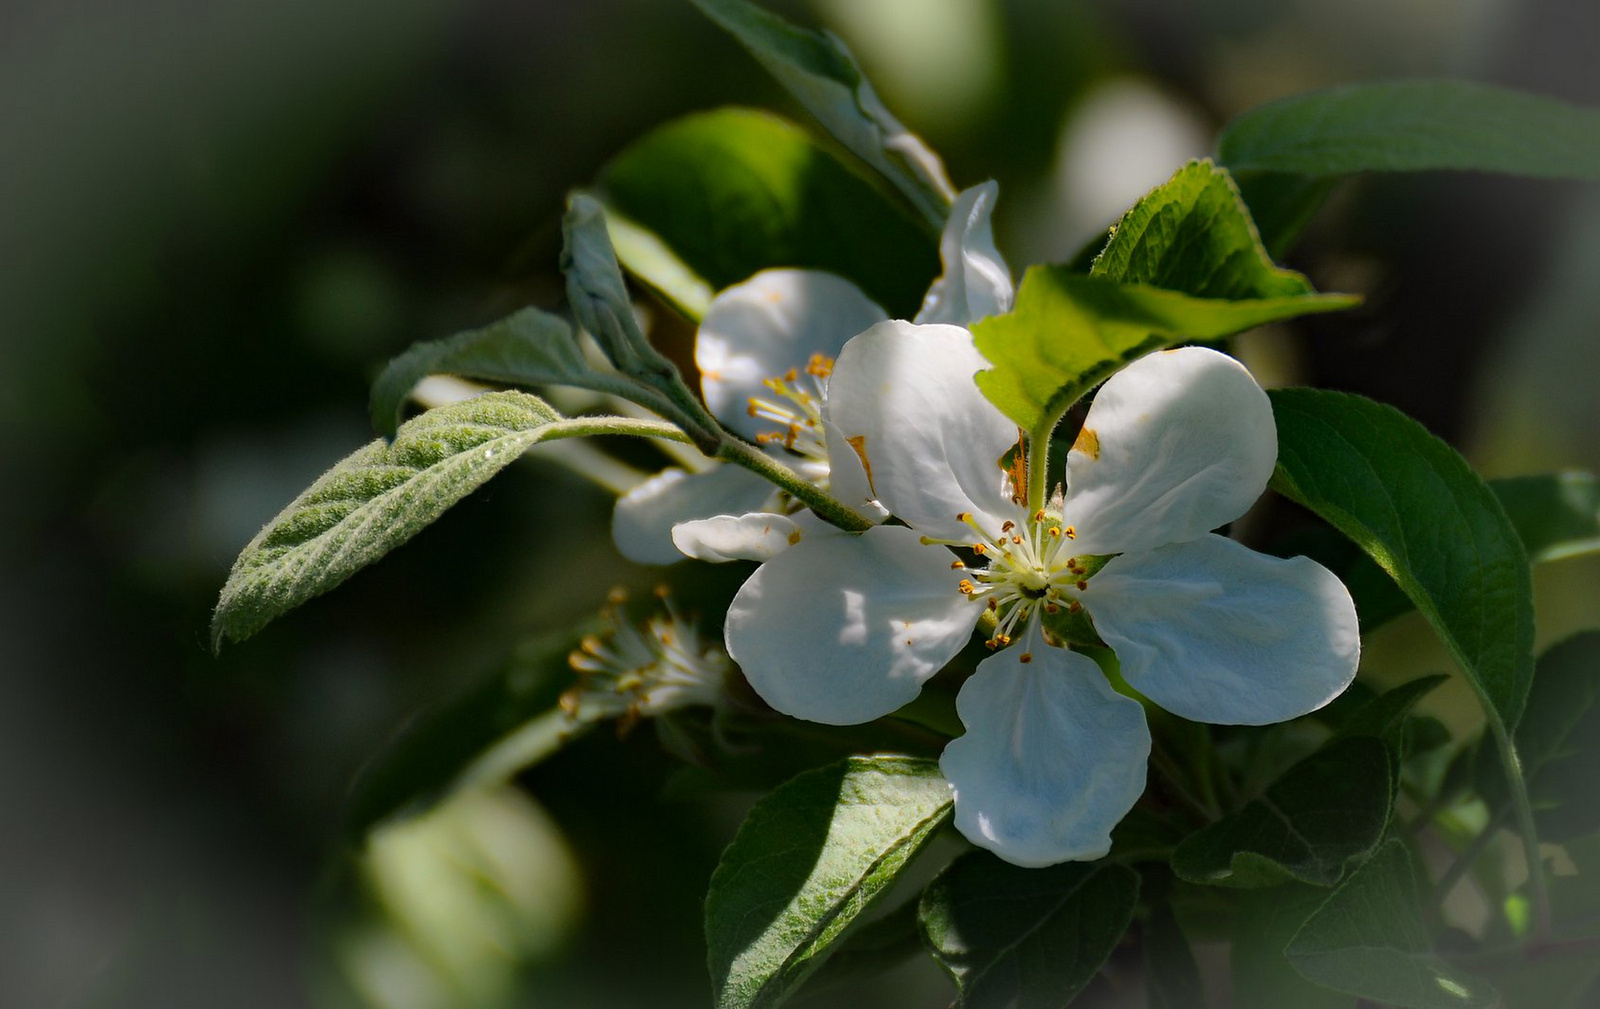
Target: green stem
column 1039, row 464
column 583, row 427
column 826, row 506
column 1523, row 809
column 522, row 748
column 1465, row 861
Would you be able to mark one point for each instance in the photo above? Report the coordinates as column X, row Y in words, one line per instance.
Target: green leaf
column 1420, row 125
column 1558, row 740
column 809, row 859
column 1026, row 937
column 735, row 191
column 380, row 496
column 1368, row 940
column 1263, row 923
column 865, row 951
column 1415, row 506
column 528, row 348
column 1385, row 716
column 1192, row 234
column 823, row 76
column 1556, row 515
column 1327, row 810
column 437, row 753
column 1068, row 333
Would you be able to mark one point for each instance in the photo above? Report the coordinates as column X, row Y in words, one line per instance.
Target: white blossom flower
column 765, row 350
column 847, row 629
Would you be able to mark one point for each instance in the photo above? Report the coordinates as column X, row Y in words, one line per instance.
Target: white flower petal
column 903, row 395
column 642, row 523
column 1215, row 632
column 770, row 323
column 1175, row 445
column 1052, row 758
column 844, row 629
column 757, row 536
column 976, row 281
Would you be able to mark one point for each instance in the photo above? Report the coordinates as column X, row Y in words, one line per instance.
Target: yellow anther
column 1074, row 607
column 1007, row 526
column 963, row 516
column 956, row 566
column 1052, row 608
column 1016, row 539
column 979, row 549
column 1025, row 658
column 1072, row 533
column 1082, row 585
column 820, row 365
column 1055, row 531
column 1038, row 516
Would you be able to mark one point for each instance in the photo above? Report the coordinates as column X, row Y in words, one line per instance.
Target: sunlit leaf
column 1026, row 937
column 823, row 76
column 809, row 859
column 1183, row 264
column 1068, row 333
column 734, row 191
column 380, row 496
column 1327, row 810
column 1368, row 939
column 1193, row 234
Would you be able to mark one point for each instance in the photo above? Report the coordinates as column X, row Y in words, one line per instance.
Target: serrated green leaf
column 1193, row 234
column 809, row 859
column 1263, row 923
column 1026, row 937
column 1414, row 505
column 528, row 348
column 380, row 496
column 1327, row 810
column 1419, row 125
column 1368, row 940
column 435, row 753
column 734, row 191
column 1068, row 333
column 817, row 69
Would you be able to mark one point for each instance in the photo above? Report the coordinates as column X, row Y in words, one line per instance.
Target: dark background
column 217, row 219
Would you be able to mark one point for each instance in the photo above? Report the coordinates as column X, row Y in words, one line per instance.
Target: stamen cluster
column 1030, row 568
column 635, row 672
column 797, row 409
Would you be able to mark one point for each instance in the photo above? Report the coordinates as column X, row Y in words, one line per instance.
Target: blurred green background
column 218, row 219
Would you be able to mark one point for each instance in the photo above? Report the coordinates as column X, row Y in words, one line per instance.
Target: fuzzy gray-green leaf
column 371, row 502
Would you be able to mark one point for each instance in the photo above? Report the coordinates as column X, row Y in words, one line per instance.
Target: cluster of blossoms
column 845, row 628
